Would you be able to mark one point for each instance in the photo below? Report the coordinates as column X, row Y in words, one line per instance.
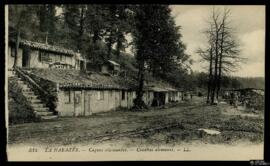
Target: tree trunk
column 118, row 46
column 80, row 34
column 216, row 68
column 119, row 43
column 210, row 76
column 220, row 60
column 109, row 44
column 138, row 102
column 219, row 77
column 95, row 37
column 18, row 39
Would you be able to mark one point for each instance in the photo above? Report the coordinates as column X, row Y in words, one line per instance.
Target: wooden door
column 78, row 103
column 87, row 104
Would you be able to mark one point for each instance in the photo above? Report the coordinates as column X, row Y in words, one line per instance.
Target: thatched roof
column 46, row 47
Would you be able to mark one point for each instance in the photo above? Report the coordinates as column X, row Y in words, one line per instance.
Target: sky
column 248, row 22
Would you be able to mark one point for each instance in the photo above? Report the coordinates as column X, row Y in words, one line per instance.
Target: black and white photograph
column 134, row 82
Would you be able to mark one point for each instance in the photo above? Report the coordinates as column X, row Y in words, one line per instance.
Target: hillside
column 252, row 82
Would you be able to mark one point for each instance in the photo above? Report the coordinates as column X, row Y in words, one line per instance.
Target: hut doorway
column 25, row 58
column 159, row 99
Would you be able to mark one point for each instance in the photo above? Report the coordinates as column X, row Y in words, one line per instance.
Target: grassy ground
column 234, row 125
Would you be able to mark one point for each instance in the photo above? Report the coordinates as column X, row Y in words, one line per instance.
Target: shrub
column 20, row 110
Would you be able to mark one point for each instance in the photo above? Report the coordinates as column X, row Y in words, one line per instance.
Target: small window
column 100, row 95
column 67, row 97
column 123, row 95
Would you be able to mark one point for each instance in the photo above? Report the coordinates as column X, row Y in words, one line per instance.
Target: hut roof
column 258, row 91
column 159, row 86
column 172, row 89
column 46, row 47
column 68, row 78
column 158, row 89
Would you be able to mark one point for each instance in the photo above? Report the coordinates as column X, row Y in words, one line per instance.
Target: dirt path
column 175, row 124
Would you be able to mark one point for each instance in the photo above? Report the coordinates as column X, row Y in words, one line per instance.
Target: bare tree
column 229, row 58
column 222, row 51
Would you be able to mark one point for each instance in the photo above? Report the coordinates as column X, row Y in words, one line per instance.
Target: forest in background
column 99, row 33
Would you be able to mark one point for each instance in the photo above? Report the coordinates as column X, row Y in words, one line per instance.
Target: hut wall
column 175, row 96
column 130, row 99
column 166, row 97
column 11, row 59
column 34, row 60
column 123, row 99
column 171, row 96
column 87, row 102
column 179, row 96
column 105, row 69
column 65, row 105
column 102, row 100
column 148, row 97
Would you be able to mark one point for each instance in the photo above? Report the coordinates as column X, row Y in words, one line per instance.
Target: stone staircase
column 40, row 110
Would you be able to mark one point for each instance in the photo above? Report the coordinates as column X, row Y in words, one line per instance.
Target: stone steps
column 51, row 117
column 35, row 101
column 20, row 82
column 24, row 86
column 43, row 113
column 37, row 105
column 29, row 93
column 31, row 97
column 27, row 90
column 40, row 109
